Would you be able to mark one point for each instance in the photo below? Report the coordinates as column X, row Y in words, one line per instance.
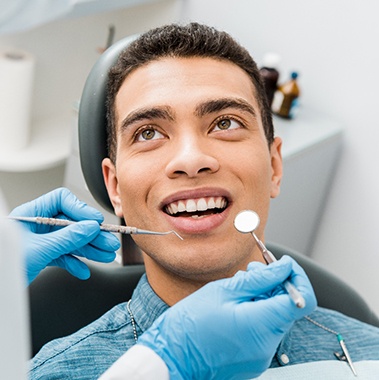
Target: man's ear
column 111, row 182
column 276, row 166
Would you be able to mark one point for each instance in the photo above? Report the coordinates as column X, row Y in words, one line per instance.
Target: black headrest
column 92, row 122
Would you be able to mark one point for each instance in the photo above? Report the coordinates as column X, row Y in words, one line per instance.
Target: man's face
column 191, row 154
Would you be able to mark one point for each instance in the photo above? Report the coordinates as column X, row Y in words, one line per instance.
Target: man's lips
column 197, row 211
column 196, row 207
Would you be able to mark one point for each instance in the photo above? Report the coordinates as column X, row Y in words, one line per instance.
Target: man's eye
column 148, row 134
column 225, row 124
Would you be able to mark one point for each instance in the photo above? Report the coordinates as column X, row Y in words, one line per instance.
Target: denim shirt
column 87, row 353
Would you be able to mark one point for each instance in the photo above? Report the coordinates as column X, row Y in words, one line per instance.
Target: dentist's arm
column 48, row 245
column 230, row 328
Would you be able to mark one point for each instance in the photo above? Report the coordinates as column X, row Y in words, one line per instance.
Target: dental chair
column 61, row 304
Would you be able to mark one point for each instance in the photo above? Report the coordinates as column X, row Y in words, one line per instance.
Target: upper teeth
column 193, row 205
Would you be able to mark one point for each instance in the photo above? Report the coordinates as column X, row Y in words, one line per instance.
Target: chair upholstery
column 92, row 123
column 332, row 292
column 61, row 304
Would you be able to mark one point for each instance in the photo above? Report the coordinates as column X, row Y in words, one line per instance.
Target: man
column 191, row 144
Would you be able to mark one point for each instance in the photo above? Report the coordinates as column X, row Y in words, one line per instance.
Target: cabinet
column 311, row 147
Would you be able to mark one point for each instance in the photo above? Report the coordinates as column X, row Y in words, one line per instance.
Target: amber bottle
column 286, row 98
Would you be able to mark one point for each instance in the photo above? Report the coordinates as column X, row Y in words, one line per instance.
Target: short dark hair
column 182, row 41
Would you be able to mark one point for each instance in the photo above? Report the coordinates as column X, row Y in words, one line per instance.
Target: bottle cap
column 271, row 60
column 294, row 74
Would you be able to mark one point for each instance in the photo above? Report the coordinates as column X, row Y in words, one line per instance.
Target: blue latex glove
column 230, row 328
column 57, row 246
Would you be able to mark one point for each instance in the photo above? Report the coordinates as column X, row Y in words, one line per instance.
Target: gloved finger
column 73, row 265
column 70, row 238
column 302, row 283
column 92, row 253
column 57, row 202
column 297, row 277
column 76, row 209
column 259, row 279
column 281, row 311
column 274, row 292
column 282, row 306
column 106, row 241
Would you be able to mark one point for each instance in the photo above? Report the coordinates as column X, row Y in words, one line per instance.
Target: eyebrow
column 202, row 109
column 161, row 112
column 217, row 105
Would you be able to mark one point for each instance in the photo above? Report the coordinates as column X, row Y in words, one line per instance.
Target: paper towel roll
column 16, row 86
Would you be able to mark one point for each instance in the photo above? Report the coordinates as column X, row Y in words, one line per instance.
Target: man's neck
column 172, row 287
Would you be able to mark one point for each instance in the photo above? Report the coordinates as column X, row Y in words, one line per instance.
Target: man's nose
column 191, row 157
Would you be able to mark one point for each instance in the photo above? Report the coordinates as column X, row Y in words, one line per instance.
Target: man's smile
column 196, row 208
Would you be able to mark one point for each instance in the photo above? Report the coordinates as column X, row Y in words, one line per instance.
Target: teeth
column 193, row 205
column 181, row 206
column 211, row 203
column 174, row 208
column 195, row 216
column 202, row 204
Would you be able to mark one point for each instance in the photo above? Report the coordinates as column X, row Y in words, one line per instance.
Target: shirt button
column 284, row 359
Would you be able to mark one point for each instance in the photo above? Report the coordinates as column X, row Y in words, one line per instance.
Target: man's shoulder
column 95, row 346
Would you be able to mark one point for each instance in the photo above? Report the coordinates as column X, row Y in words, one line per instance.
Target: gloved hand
column 230, row 328
column 49, row 245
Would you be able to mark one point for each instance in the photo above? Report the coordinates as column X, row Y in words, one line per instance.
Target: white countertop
column 305, row 131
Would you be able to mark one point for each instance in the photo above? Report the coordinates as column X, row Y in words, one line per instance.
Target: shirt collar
column 146, row 305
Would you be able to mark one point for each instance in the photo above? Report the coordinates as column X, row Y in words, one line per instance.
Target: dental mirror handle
column 247, row 221
column 295, row 295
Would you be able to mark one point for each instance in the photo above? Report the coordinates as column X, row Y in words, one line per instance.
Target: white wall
column 65, row 52
column 334, row 45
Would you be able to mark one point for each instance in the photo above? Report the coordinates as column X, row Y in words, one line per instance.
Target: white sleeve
column 138, row 363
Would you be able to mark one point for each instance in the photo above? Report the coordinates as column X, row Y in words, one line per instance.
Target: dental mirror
column 246, row 221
